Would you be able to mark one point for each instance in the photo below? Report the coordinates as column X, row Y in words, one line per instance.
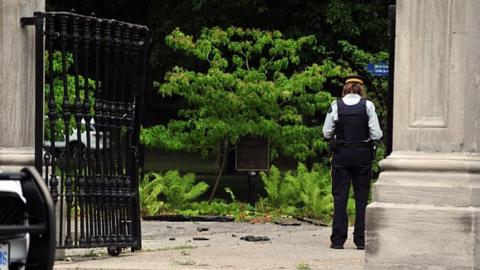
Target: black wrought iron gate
column 91, row 76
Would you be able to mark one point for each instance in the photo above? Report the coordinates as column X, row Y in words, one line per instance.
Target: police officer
column 351, row 125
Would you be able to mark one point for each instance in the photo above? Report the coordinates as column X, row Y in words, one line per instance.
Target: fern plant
column 272, row 183
column 169, row 191
column 281, row 191
column 300, row 192
column 180, row 190
column 150, row 188
column 315, row 191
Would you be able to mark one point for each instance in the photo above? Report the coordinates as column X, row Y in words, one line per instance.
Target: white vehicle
column 75, row 142
column 27, row 223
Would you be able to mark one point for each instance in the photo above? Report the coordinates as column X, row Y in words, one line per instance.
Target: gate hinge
column 36, row 19
column 27, row 21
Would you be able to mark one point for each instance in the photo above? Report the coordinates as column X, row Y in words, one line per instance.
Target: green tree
column 361, row 22
column 252, row 87
column 57, row 85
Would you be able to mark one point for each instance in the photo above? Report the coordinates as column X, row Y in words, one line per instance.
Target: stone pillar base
column 426, row 213
column 14, row 159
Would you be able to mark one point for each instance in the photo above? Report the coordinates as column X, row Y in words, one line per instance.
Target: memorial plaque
column 252, row 154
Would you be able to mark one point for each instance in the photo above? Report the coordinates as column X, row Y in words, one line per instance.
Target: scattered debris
column 288, row 223
column 252, row 238
column 201, row 238
column 313, row 221
column 189, row 218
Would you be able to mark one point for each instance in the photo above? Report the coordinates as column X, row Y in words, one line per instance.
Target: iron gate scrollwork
column 88, row 139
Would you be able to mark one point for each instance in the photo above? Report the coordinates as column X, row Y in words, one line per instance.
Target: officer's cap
column 355, row 79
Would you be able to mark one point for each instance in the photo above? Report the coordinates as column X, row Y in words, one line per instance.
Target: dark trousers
column 350, row 165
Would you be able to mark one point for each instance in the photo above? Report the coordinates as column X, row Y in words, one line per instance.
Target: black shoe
column 336, row 246
column 361, row 247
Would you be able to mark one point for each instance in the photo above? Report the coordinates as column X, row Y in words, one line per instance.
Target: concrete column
column 426, row 209
column 17, row 84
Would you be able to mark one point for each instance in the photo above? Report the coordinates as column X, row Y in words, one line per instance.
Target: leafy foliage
column 157, row 196
column 149, row 191
column 252, row 87
column 300, row 193
column 169, row 191
column 58, row 91
column 361, row 22
column 281, row 192
column 375, row 164
column 314, row 190
column 239, row 211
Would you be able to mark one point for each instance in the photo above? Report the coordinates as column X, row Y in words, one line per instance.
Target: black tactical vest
column 352, row 124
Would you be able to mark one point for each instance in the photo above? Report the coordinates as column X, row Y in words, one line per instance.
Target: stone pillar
column 17, row 84
column 426, row 209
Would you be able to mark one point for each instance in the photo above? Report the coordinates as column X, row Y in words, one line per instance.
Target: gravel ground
column 171, row 245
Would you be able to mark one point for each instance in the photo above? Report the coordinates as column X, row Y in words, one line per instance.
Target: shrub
column 169, row 191
column 300, row 193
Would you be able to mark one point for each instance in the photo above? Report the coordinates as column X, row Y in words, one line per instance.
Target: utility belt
column 336, row 145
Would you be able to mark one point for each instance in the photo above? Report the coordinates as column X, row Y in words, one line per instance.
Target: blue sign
column 378, row 69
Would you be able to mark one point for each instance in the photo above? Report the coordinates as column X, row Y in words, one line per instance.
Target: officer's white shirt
column 352, row 99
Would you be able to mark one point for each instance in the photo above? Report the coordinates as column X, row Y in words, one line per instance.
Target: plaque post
column 252, row 179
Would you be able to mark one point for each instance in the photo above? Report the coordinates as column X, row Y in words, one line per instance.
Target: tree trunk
column 223, row 160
